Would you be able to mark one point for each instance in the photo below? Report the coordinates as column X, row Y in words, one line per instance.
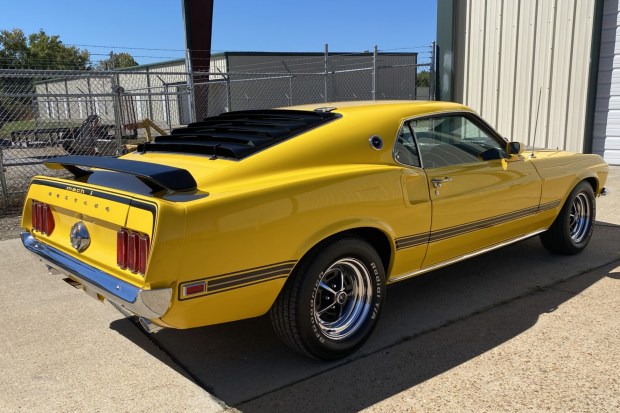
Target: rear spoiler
column 156, row 176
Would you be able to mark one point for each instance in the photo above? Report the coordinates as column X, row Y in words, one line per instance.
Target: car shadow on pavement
column 430, row 324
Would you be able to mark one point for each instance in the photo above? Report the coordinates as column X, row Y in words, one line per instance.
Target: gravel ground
column 9, row 226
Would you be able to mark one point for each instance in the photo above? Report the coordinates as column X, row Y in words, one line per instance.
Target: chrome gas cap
column 79, row 236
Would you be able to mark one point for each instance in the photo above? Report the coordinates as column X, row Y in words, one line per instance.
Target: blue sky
column 239, row 25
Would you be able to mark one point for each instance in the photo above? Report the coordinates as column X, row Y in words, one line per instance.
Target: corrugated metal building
column 538, row 70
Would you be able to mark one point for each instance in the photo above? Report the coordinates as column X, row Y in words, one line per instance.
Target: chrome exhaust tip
column 148, row 326
column 604, row 192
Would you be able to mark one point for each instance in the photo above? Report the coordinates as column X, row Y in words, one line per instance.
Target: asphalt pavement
column 517, row 329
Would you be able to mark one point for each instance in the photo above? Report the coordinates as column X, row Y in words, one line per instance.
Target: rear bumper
column 149, row 304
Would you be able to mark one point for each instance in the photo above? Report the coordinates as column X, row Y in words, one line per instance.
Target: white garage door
column 606, row 140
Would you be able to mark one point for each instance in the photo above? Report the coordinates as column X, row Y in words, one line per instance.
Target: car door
column 480, row 196
column 414, row 221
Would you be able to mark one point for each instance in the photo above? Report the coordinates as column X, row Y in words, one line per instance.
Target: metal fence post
column 374, row 73
column 190, row 84
column 290, row 84
column 5, row 192
column 228, row 94
column 166, row 102
column 149, row 93
column 326, row 71
column 67, row 99
column 116, row 99
column 90, row 105
column 432, row 73
column 290, row 90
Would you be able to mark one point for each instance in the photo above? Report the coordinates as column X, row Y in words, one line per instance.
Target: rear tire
column 572, row 229
column 331, row 304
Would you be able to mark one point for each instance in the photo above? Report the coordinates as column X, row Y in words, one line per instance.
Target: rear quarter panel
column 269, row 225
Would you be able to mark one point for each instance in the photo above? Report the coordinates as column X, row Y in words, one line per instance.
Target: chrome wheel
column 572, row 229
column 343, row 298
column 580, row 217
column 331, row 303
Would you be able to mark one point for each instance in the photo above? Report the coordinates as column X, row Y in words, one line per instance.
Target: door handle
column 438, row 181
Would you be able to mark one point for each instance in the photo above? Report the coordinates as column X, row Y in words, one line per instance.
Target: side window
column 454, row 140
column 406, row 150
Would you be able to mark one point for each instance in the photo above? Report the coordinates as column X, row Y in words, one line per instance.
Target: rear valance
column 154, row 175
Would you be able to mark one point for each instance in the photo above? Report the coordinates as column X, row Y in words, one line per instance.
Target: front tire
column 572, row 229
column 331, row 304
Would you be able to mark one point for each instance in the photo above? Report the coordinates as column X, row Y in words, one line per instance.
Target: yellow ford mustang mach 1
column 306, row 213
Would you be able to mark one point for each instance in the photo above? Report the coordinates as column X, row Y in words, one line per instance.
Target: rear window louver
column 237, row 135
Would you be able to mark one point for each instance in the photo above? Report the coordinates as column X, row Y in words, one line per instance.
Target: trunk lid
column 102, row 212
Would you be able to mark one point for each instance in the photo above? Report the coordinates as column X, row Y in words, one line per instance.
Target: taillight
column 143, row 252
column 121, row 248
column 42, row 218
column 132, row 251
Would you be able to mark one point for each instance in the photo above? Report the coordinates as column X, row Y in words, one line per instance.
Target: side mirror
column 515, row 148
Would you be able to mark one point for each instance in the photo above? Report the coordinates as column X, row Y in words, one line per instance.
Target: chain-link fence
column 51, row 113
column 315, row 78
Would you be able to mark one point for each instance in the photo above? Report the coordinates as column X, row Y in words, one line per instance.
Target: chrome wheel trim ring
column 343, row 298
column 580, row 217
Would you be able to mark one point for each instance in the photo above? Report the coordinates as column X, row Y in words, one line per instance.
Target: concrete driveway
column 516, row 329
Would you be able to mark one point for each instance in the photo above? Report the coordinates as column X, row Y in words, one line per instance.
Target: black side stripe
column 247, row 277
column 421, row 239
column 484, row 223
column 549, row 205
column 239, row 279
column 412, row 241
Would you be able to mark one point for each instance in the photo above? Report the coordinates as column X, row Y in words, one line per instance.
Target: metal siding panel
column 604, row 104
column 608, row 61
column 507, row 70
column 492, row 39
column 561, row 75
column 511, row 56
column 476, row 55
column 613, row 118
column 612, row 143
column 466, row 51
column 612, row 157
column 609, row 86
column 580, row 64
column 609, row 34
column 540, row 82
column 524, row 89
column 608, row 78
column 608, row 49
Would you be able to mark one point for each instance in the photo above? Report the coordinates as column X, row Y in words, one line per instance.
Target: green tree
column 13, row 49
column 39, row 51
column 423, row 79
column 117, row 61
column 36, row 51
